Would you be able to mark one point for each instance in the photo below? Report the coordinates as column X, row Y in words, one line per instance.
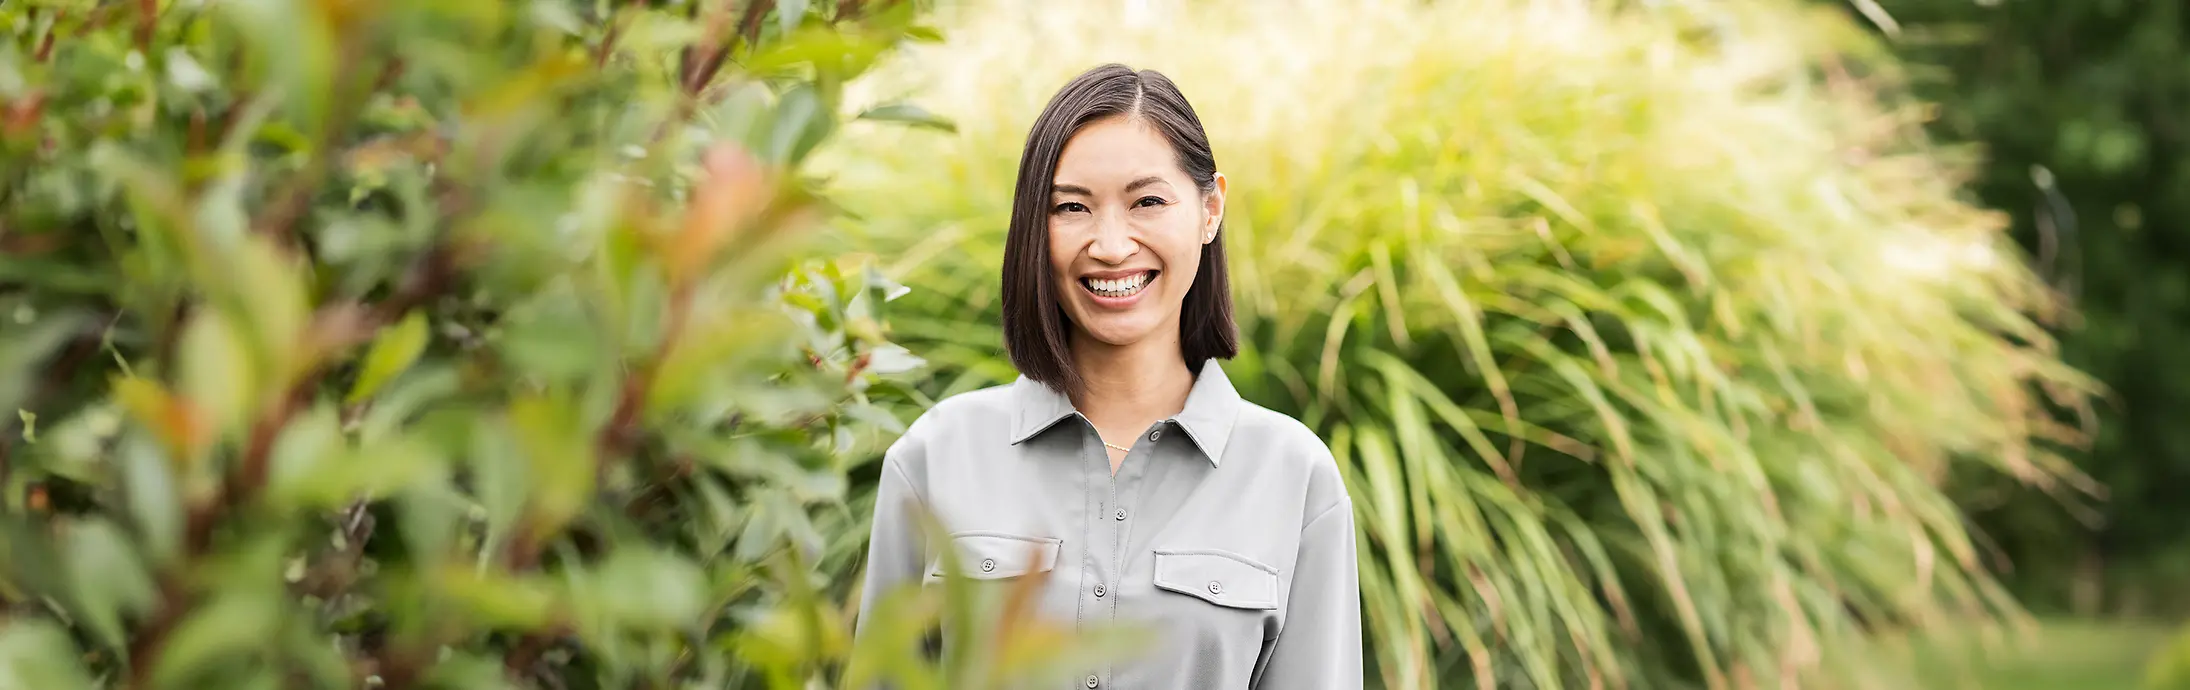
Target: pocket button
column 1216, row 587
column 988, row 565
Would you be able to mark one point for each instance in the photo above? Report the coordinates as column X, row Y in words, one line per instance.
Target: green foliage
column 1643, row 337
column 415, row 343
column 2169, row 669
column 2077, row 108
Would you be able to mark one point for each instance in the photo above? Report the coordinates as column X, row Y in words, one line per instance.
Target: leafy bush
column 1644, row 337
column 413, row 343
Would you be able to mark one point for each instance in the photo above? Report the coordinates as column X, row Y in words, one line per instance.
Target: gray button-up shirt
column 1226, row 531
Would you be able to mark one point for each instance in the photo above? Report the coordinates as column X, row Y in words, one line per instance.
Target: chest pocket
column 1218, row 577
column 997, row 556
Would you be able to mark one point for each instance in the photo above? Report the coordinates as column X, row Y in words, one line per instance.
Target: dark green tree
column 2081, row 109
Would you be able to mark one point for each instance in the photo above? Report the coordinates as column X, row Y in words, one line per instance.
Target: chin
column 1117, row 332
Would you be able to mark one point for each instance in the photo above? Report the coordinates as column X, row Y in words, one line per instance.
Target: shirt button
column 1100, row 591
column 1216, row 587
column 1121, row 513
column 1092, row 682
column 1153, row 435
column 988, row 565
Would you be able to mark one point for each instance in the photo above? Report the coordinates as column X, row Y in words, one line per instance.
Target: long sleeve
column 895, row 548
column 1320, row 646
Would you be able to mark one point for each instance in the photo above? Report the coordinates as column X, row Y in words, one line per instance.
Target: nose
column 1114, row 243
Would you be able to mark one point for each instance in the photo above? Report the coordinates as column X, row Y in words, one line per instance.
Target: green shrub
column 1644, row 338
column 411, row 343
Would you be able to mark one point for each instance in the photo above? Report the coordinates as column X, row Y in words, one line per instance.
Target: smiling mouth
column 1119, row 287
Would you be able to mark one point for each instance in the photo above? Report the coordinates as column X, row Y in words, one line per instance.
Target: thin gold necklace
column 1116, row 447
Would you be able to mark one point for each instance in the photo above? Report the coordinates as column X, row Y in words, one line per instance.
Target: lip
column 1116, row 274
column 1117, row 303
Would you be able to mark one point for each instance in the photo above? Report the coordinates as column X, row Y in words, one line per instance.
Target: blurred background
column 1662, row 343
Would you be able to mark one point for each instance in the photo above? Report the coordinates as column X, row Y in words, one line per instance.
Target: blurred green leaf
column 499, row 602
column 406, row 399
column 308, row 447
column 37, row 654
column 186, row 74
column 391, row 353
column 23, row 348
column 153, row 497
column 799, row 123
column 558, row 16
column 76, row 447
column 554, row 337
column 292, row 50
column 110, row 583
column 909, row 114
column 377, row 471
column 467, row 672
column 559, row 459
column 841, row 53
column 646, row 589
column 217, row 376
column 430, row 515
column 500, row 478
column 210, row 635
column 269, row 289
column 894, row 359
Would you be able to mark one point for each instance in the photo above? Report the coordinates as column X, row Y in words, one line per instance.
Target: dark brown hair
column 1037, row 332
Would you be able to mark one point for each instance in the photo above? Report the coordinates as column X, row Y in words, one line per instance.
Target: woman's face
column 1126, row 228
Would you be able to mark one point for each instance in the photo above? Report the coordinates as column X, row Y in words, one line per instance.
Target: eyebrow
column 1083, row 191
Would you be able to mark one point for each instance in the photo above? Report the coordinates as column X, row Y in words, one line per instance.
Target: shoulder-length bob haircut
column 1037, row 332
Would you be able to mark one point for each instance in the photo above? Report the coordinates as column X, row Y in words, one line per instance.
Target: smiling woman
column 1231, row 539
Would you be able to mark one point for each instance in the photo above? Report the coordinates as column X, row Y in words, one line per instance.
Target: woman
column 1122, row 468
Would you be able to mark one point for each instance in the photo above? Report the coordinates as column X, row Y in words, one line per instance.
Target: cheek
column 1176, row 237
column 1061, row 251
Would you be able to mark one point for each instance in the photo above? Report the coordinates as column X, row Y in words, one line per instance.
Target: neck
column 1130, row 386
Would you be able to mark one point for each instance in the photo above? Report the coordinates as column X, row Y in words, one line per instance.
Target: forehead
column 1115, row 151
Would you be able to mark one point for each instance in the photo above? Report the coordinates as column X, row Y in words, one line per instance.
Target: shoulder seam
column 1342, row 502
column 891, row 464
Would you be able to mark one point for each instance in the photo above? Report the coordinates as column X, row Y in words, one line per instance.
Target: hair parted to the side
column 1037, row 333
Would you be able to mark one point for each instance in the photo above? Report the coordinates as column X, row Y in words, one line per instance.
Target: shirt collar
column 1211, row 407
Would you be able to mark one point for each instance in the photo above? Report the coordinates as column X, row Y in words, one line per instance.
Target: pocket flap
column 1218, row 577
column 996, row 555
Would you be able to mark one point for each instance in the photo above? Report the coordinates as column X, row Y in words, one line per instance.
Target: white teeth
column 1119, row 287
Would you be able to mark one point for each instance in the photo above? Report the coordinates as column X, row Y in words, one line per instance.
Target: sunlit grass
column 1641, row 345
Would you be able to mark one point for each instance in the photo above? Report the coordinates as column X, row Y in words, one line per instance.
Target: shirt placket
column 1108, row 531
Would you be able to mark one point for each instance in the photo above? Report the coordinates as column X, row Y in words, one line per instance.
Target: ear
column 1213, row 209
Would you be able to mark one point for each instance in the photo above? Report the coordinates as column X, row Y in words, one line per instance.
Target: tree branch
column 749, row 25
column 334, row 328
column 148, row 18
column 45, row 45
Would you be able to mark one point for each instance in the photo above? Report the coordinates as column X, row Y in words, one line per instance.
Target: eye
column 1149, row 201
column 1069, row 207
